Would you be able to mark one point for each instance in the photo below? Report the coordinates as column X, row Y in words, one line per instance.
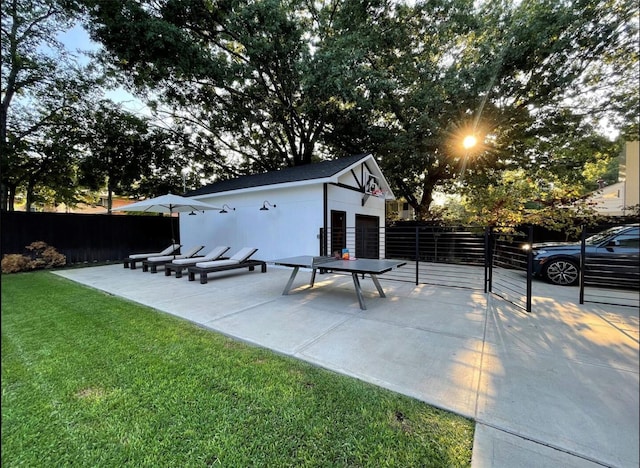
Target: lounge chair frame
column 153, row 266
column 137, row 258
column 203, row 272
column 149, row 263
column 180, row 267
column 169, row 267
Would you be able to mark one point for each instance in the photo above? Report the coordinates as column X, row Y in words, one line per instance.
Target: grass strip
column 89, row 379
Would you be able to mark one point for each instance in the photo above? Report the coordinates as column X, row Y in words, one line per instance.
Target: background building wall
column 631, row 173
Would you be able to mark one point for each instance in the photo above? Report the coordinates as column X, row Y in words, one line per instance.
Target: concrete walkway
column 556, row 387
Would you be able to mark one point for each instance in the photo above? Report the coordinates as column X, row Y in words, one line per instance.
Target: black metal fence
column 490, row 260
column 445, row 256
column 509, row 265
column 609, row 275
column 86, row 238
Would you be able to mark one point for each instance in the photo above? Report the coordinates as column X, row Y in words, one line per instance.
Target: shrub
column 13, row 263
column 45, row 256
column 39, row 255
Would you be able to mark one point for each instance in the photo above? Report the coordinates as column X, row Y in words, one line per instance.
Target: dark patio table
column 361, row 266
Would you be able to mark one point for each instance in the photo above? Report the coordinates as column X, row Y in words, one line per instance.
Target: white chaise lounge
column 179, row 265
column 240, row 260
column 133, row 258
column 154, row 262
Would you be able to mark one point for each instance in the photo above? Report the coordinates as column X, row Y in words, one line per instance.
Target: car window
column 629, row 239
column 609, row 234
column 602, row 236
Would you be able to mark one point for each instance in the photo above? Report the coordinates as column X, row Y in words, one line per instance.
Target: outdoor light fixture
column 228, row 207
column 264, row 206
column 193, row 213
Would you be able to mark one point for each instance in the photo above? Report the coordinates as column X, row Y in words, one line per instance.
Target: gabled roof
column 321, row 172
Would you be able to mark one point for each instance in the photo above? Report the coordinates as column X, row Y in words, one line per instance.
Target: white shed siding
column 291, row 228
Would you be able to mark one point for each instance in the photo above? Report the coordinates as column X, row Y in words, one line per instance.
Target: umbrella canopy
column 168, row 203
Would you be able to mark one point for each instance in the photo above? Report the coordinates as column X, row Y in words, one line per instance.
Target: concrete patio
column 556, row 387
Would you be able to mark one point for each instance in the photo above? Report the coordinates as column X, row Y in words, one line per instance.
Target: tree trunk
column 4, row 198
column 109, row 196
column 427, row 197
column 29, row 201
column 11, row 197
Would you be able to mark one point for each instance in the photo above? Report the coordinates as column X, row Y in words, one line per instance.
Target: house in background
column 620, row 198
column 99, row 207
column 282, row 212
column 400, row 210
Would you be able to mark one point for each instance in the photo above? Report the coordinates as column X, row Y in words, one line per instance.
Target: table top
column 360, row 265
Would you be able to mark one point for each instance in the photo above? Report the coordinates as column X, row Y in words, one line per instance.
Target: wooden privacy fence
column 86, row 238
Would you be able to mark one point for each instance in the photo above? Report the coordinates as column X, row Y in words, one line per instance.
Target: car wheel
column 562, row 272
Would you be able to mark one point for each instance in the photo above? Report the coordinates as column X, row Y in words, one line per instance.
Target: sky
column 77, row 41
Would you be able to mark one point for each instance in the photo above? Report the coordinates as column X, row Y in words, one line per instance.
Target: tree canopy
column 261, row 85
column 250, row 86
column 32, row 81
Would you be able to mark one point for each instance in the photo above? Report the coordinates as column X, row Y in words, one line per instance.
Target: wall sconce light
column 264, row 206
column 223, row 210
column 193, row 213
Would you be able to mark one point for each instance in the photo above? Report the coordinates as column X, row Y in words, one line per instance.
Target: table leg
column 313, row 277
column 356, row 283
column 287, row 288
column 377, row 283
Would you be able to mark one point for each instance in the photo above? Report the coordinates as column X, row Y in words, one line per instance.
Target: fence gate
column 510, row 265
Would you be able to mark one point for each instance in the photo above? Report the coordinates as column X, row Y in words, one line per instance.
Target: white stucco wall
column 291, row 228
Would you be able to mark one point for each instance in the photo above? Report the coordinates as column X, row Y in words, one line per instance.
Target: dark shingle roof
column 313, row 171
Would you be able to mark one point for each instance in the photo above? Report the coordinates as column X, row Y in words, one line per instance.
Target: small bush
column 39, row 255
column 13, row 263
column 45, row 256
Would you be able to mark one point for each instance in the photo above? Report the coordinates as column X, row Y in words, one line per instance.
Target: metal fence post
column 583, row 258
column 529, row 268
column 488, row 256
column 417, row 255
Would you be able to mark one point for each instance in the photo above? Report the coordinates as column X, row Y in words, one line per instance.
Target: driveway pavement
column 555, row 387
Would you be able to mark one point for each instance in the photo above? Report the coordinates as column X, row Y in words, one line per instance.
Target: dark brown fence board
column 86, row 238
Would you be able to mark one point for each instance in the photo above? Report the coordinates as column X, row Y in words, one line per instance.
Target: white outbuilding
column 315, row 209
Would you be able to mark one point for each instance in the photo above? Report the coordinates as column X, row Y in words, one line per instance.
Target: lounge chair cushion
column 243, row 254
column 167, row 251
column 211, row 255
column 217, row 263
column 240, row 257
column 165, row 258
column 193, row 251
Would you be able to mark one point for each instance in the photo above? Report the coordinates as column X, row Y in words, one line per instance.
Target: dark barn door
column 338, row 231
column 367, row 236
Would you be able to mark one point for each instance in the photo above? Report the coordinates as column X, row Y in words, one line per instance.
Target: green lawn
column 89, row 379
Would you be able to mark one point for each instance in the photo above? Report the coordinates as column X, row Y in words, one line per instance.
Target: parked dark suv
column 614, row 253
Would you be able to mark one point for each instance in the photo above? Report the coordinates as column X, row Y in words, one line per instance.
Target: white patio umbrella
column 168, row 203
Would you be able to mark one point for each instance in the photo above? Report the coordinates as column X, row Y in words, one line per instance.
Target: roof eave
column 334, row 178
column 262, row 188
